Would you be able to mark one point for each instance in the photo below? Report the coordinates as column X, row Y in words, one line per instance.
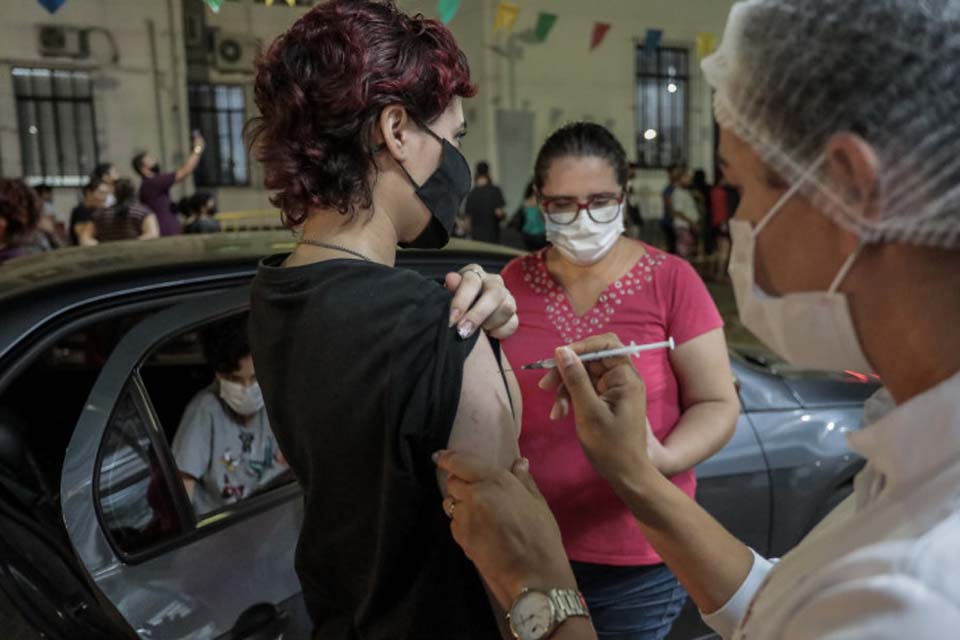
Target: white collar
column 915, row 439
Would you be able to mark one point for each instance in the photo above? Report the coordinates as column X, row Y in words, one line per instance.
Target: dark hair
column 581, row 139
column 137, row 162
column 193, row 204
column 90, row 186
column 101, row 170
column 20, row 206
column 483, row 169
column 700, row 179
column 42, row 189
column 226, row 343
column 321, row 86
column 529, row 191
column 126, row 195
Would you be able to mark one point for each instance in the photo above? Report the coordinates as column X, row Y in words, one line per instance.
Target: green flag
column 447, row 10
column 545, row 22
column 215, row 5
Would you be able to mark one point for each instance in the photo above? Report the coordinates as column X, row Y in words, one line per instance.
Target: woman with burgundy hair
column 367, row 369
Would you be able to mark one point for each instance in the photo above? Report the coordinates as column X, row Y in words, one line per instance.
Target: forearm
column 188, row 167
column 708, row 561
column 704, row 429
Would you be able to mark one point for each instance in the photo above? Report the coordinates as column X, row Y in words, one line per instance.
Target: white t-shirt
column 886, row 563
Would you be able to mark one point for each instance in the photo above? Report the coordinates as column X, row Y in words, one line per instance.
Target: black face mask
column 443, row 193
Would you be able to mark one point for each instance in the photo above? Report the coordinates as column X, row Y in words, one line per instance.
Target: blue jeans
column 630, row 603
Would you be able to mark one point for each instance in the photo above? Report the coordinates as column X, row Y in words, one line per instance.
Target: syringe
column 631, row 350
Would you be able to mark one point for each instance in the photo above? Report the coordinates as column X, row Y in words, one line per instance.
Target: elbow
column 731, row 413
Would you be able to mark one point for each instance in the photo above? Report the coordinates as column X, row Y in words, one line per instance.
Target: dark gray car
column 98, row 357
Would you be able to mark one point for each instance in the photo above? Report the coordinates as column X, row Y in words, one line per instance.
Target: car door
column 169, row 573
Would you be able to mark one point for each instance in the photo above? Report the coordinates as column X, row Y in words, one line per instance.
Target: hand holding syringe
column 631, row 350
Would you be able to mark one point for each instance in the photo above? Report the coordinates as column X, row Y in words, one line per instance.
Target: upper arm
column 485, row 424
column 192, row 444
column 702, row 367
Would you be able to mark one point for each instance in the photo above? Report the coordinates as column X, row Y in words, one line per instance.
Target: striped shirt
column 111, row 226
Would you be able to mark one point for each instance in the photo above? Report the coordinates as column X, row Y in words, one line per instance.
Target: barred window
column 662, row 100
column 57, row 126
column 218, row 112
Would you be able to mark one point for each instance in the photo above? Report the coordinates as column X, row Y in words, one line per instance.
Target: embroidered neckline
column 568, row 324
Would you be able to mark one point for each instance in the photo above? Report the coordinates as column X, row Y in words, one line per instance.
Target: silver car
column 98, row 358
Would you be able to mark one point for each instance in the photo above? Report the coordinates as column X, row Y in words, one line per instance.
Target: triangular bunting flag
column 545, row 22
column 600, row 30
column 52, row 5
column 214, row 5
column 269, row 3
column 292, row 3
column 706, row 44
column 447, row 10
column 506, row 16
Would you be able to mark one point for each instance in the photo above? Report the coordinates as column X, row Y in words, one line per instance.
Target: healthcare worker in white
column 840, row 127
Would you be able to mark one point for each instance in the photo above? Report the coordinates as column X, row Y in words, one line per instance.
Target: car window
column 225, row 453
column 137, row 507
column 43, row 402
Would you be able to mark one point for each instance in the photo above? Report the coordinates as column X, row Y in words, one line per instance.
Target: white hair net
column 790, row 74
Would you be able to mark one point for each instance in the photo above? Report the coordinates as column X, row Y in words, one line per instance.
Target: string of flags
column 51, row 5
column 505, row 19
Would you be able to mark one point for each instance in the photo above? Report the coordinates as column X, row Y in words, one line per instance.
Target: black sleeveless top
column 361, row 377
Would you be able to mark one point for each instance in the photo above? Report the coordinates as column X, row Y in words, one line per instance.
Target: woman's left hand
column 481, row 300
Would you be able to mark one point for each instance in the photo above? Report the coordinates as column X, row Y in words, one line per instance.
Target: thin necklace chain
column 335, row 247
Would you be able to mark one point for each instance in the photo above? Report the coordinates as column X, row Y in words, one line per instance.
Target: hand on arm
column 481, row 300
column 192, row 160
column 609, row 402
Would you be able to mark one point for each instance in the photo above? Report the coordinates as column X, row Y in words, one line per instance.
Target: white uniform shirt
column 886, row 563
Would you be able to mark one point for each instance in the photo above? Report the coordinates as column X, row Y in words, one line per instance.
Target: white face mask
column 811, row 330
column 586, row 242
column 246, row 401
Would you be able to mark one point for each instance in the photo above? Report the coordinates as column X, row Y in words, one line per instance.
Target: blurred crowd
column 109, row 207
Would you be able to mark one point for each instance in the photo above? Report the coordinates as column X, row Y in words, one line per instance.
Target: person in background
column 93, row 196
column 127, row 219
column 724, row 201
column 107, row 173
column 484, row 207
column 634, row 211
column 685, row 214
column 20, row 212
column 591, row 280
column 50, row 222
column 530, row 221
column 155, row 188
column 224, row 447
column 200, row 209
column 700, row 190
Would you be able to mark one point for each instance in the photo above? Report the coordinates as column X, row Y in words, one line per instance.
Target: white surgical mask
column 584, row 241
column 812, row 329
column 245, row 400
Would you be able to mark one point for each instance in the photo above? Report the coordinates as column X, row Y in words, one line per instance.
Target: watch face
column 532, row 616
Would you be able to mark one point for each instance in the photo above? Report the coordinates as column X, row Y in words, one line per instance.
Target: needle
column 631, row 350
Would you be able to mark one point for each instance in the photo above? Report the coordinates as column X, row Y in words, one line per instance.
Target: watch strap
column 568, row 602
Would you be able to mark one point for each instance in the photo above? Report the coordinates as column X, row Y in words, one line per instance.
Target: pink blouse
column 660, row 297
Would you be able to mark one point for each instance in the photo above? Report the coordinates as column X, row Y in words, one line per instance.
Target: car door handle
column 262, row 621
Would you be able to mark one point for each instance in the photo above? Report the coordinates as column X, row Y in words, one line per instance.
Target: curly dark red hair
column 321, row 86
column 20, row 206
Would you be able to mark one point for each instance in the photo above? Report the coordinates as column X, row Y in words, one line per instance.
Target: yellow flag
column 506, row 16
column 292, row 3
column 269, row 3
column 706, row 44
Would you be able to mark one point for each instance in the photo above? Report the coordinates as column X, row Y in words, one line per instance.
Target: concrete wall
column 141, row 101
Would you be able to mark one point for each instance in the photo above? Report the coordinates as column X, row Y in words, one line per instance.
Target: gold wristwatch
column 535, row 615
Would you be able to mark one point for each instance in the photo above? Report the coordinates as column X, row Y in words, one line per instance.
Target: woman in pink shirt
column 594, row 280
